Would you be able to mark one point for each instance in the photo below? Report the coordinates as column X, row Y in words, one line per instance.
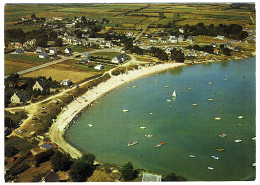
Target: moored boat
column 90, row 125
column 222, row 135
column 220, row 149
column 210, row 99
column 217, row 118
column 240, row 117
column 195, row 104
column 159, row 145
column 238, row 140
column 192, row 156
column 148, row 135
column 125, row 110
column 142, row 127
column 210, row 168
column 132, row 143
column 215, row 157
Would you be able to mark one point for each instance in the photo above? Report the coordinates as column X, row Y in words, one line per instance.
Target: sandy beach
column 67, row 116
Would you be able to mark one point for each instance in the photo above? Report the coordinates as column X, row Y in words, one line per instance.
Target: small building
column 53, row 51
column 84, row 61
column 43, row 55
column 19, row 97
column 68, row 50
column 190, row 39
column 221, row 37
column 18, row 51
column 99, row 67
column 39, row 50
column 146, row 177
column 66, row 82
column 153, row 40
column 181, row 38
column 85, row 55
column 164, row 40
column 173, row 39
column 39, row 85
column 116, row 60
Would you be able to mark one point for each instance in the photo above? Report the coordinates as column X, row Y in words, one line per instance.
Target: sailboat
column 132, row 143
column 174, row 94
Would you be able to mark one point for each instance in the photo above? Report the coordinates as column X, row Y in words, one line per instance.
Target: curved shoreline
column 58, row 128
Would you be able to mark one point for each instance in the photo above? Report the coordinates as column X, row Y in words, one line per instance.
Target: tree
column 42, row 42
column 10, row 151
column 82, row 168
column 33, row 16
column 58, row 42
column 61, row 161
column 127, row 171
column 173, row 177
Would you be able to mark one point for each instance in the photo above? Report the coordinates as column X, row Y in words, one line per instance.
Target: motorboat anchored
column 132, row 143
column 222, row 135
column 215, row 157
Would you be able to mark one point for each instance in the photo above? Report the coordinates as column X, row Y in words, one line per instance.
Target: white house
column 39, row 49
column 99, row 67
column 173, row 39
column 43, row 55
column 53, row 51
column 221, row 37
column 180, row 38
column 68, row 50
column 116, row 60
column 66, row 82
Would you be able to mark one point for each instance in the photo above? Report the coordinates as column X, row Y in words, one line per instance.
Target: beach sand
column 66, row 117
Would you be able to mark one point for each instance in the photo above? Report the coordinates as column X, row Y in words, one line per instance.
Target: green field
column 128, row 15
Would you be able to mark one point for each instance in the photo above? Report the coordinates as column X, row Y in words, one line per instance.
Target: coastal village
column 56, row 62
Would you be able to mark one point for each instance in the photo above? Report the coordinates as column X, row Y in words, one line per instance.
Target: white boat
column 148, row 135
column 90, row 125
column 254, row 138
column 142, row 127
column 254, row 164
column 210, row 168
column 151, row 113
column 195, row 104
column 210, row 83
column 238, row 140
column 240, row 117
column 192, row 156
column 169, row 100
column 132, row 143
column 210, row 99
column 222, row 135
column 125, row 110
column 166, row 86
column 217, row 118
column 174, row 94
column 215, row 157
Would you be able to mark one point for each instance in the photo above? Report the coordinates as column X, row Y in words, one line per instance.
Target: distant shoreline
column 64, row 119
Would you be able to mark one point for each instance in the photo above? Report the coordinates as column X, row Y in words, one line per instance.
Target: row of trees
column 232, row 31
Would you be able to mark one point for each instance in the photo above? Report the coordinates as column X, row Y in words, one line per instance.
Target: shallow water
column 185, row 128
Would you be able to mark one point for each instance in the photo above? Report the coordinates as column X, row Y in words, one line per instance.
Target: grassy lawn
column 26, row 57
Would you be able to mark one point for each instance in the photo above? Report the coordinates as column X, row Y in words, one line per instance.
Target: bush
column 10, row 151
column 44, row 156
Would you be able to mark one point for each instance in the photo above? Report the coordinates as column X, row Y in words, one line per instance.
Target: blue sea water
column 186, row 129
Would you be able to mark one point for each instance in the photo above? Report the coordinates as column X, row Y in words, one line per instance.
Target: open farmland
column 15, row 63
column 66, row 70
